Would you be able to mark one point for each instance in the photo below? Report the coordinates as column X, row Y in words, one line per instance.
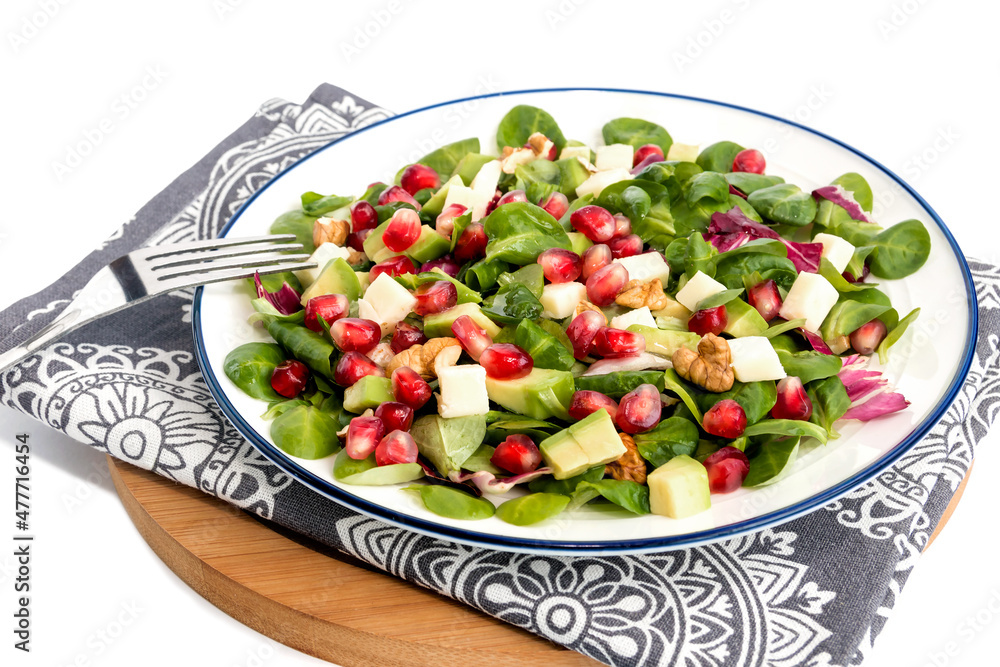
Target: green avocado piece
column 578, row 242
column 564, row 455
column 435, row 204
column 375, row 248
column 438, row 325
column 665, row 342
column 337, row 277
column 597, row 436
column 744, row 320
column 429, row 245
column 469, row 166
column 679, row 488
column 368, row 392
column 541, row 394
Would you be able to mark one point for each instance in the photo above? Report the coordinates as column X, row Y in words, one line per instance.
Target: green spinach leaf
column 636, row 132
column 306, row 432
column 900, row 250
column 520, row 231
column 250, row 367
column 671, row 437
column 784, row 203
column 524, row 120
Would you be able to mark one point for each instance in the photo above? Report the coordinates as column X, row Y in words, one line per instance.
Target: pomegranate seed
column 363, row 436
column 727, row 468
column 416, row 177
column 793, row 401
column 445, row 223
column 639, row 410
column 473, row 338
column 725, row 419
column 586, row 402
column 397, row 447
column 750, row 160
column 353, row 334
column 504, row 361
column 613, row 343
column 471, row 243
column 604, row 284
column 556, row 205
column 709, row 320
column 493, row 202
column 625, row 246
column 395, row 416
column 394, row 266
column 560, row 266
column 402, row 231
column 409, row 388
column 289, row 378
column 406, row 336
column 582, row 330
column 594, row 222
column 331, row 307
column 356, row 240
column 646, row 152
column 594, row 258
column 623, row 226
column 766, row 298
column 517, row 454
column 353, row 366
column 866, row 338
column 363, row 216
column 435, row 297
column 396, row 193
column 860, row 279
column 511, row 197
column 445, row 263
column 637, row 169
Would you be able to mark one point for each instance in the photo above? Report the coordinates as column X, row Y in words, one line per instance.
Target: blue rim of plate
column 554, row 547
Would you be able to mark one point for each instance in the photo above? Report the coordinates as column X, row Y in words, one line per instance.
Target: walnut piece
column 639, row 293
column 586, row 305
column 630, row 466
column 423, row 358
column 710, row 367
column 355, row 257
column 328, row 230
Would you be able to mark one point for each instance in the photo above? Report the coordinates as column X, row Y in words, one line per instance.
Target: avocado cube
column 664, row 342
column 542, row 393
column 429, row 245
column 564, row 455
column 578, row 242
column 598, row 438
column 744, row 320
column 438, row 325
column 368, row 392
column 679, row 488
column 337, row 277
column 469, row 166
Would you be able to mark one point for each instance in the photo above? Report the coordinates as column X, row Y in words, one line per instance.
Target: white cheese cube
column 560, row 300
column 460, row 194
column 484, row 187
column 835, row 249
column 601, row 180
column 812, row 296
column 582, row 152
column 390, row 301
column 699, row 288
column 637, row 316
column 615, row 156
column 322, row 255
column 646, row 266
column 463, row 391
column 755, row 360
column 682, row 152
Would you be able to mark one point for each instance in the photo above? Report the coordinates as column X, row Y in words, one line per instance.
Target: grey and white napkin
column 815, row 591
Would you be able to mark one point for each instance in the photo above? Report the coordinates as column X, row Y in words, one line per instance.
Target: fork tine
column 211, row 256
column 211, row 267
column 157, row 252
column 231, row 274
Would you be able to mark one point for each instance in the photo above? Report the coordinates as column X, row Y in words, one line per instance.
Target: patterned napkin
column 129, row 385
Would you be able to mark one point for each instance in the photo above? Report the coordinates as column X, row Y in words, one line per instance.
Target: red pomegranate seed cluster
column 727, row 468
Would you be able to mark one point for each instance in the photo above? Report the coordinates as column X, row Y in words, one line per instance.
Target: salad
column 630, row 327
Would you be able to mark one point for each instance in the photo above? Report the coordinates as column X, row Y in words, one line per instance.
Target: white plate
column 928, row 365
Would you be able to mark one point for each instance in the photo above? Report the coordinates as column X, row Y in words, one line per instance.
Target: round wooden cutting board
column 316, row 599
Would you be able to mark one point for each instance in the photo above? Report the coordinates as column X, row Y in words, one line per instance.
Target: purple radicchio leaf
column 733, row 228
column 487, row 482
column 841, row 197
column 805, row 256
column 286, row 300
column 816, row 341
column 868, row 391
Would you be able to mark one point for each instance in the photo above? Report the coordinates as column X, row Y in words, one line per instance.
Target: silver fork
column 147, row 272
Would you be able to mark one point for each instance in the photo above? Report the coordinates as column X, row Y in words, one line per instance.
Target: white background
column 910, row 83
